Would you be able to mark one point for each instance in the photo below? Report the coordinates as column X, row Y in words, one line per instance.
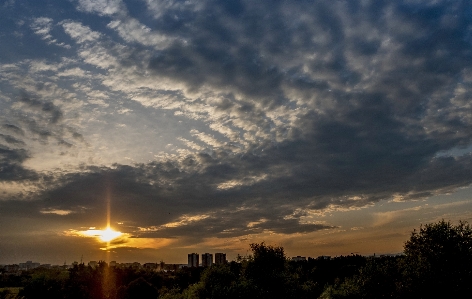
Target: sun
column 105, row 235
column 108, row 234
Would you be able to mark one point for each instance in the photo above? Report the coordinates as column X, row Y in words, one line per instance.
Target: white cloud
column 209, row 140
column 131, row 30
column 191, row 144
column 182, row 221
column 56, row 212
column 42, row 66
column 80, row 32
column 74, row 72
column 42, row 26
column 160, row 7
column 246, row 181
column 102, row 7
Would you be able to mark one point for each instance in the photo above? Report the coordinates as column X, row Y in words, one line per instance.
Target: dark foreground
column 437, row 262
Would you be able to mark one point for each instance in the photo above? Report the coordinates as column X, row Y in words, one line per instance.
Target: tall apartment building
column 193, row 260
column 207, row 259
column 220, row 258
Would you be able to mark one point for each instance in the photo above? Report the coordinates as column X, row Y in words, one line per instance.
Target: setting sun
column 105, row 235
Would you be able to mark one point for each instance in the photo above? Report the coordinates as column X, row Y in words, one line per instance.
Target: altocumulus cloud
column 276, row 110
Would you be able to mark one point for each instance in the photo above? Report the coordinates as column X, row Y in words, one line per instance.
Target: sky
column 325, row 127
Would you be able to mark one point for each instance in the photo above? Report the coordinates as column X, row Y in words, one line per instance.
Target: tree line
column 436, row 263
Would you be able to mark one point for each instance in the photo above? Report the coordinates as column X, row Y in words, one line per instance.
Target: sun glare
column 105, row 235
column 109, row 234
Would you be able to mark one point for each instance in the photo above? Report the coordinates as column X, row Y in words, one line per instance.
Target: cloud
column 53, row 112
column 79, row 32
column 13, row 129
column 42, row 27
column 14, row 175
column 11, row 140
column 131, row 30
column 75, row 72
column 102, row 7
column 269, row 109
column 56, row 212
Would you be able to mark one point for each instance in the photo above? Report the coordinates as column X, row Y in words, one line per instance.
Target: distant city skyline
column 142, row 130
column 219, row 258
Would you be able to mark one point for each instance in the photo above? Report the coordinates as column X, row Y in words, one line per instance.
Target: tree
column 138, row 288
column 216, row 282
column 378, row 278
column 43, row 284
column 437, row 264
column 438, row 261
column 267, row 271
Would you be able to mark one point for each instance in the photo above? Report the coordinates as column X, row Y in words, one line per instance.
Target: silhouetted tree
column 379, row 278
column 437, row 264
column 44, row 283
column 439, row 261
column 138, row 288
column 217, row 281
column 267, row 270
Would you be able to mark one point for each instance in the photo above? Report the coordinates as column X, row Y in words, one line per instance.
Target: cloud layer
column 231, row 118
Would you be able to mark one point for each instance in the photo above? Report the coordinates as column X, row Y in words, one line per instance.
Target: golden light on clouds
column 182, row 221
column 154, row 243
column 56, row 212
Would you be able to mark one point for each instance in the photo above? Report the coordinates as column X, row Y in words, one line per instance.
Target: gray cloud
column 52, row 112
column 11, row 140
column 13, row 129
column 11, row 168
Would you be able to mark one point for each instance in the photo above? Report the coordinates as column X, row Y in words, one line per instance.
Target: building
column 193, row 260
column 163, row 267
column 150, row 266
column 29, row 265
column 207, row 259
column 298, row 258
column 324, row 257
column 220, row 258
column 12, row 268
column 134, row 265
